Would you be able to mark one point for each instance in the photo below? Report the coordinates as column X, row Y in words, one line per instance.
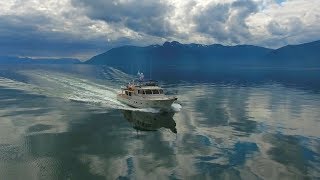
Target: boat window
column 155, row 91
column 126, row 92
column 148, row 91
column 144, row 92
column 139, row 92
column 160, row 91
column 129, row 93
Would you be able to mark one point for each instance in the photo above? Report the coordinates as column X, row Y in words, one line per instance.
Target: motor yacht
column 145, row 94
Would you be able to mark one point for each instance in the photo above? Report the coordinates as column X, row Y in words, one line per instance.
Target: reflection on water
column 146, row 121
column 74, row 153
column 223, row 131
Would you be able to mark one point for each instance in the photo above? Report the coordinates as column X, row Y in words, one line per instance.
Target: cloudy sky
column 83, row 28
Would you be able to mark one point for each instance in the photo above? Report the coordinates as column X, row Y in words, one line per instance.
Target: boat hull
column 161, row 103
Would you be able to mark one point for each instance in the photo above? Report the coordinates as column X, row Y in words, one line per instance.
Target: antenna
column 140, row 75
column 150, row 69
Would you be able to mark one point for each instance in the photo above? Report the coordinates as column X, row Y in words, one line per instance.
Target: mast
column 150, row 69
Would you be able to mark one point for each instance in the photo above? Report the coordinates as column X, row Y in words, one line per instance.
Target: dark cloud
column 276, row 29
column 213, row 20
column 226, row 22
column 292, row 26
column 287, row 32
column 29, row 36
column 145, row 16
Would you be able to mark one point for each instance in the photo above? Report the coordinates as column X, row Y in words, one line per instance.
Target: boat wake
column 176, row 107
column 73, row 87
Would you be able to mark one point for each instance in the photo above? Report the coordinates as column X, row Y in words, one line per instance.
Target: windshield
column 155, row 91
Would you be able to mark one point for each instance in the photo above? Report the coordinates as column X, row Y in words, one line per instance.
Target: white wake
column 74, row 87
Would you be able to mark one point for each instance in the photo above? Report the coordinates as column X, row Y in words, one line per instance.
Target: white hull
column 142, row 102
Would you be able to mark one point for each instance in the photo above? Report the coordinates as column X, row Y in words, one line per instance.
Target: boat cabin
column 143, row 88
column 144, row 95
column 143, row 91
column 150, row 91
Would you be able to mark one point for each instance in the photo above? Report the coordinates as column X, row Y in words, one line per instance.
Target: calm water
column 65, row 123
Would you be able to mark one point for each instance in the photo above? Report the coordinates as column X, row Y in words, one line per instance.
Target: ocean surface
column 64, row 122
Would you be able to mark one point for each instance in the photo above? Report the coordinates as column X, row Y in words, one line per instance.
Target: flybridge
column 142, row 82
column 147, row 83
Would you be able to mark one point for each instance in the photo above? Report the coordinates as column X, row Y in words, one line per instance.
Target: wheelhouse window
column 129, row 93
column 148, row 91
column 155, row 91
column 160, row 91
column 126, row 92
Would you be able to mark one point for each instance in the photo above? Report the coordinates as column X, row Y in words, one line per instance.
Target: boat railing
column 147, row 82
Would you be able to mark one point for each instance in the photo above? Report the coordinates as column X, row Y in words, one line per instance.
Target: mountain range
column 192, row 56
column 26, row 60
column 175, row 54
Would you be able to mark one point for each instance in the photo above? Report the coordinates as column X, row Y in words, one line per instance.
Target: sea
column 64, row 122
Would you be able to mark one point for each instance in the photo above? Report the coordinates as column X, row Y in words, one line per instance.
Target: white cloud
column 290, row 22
